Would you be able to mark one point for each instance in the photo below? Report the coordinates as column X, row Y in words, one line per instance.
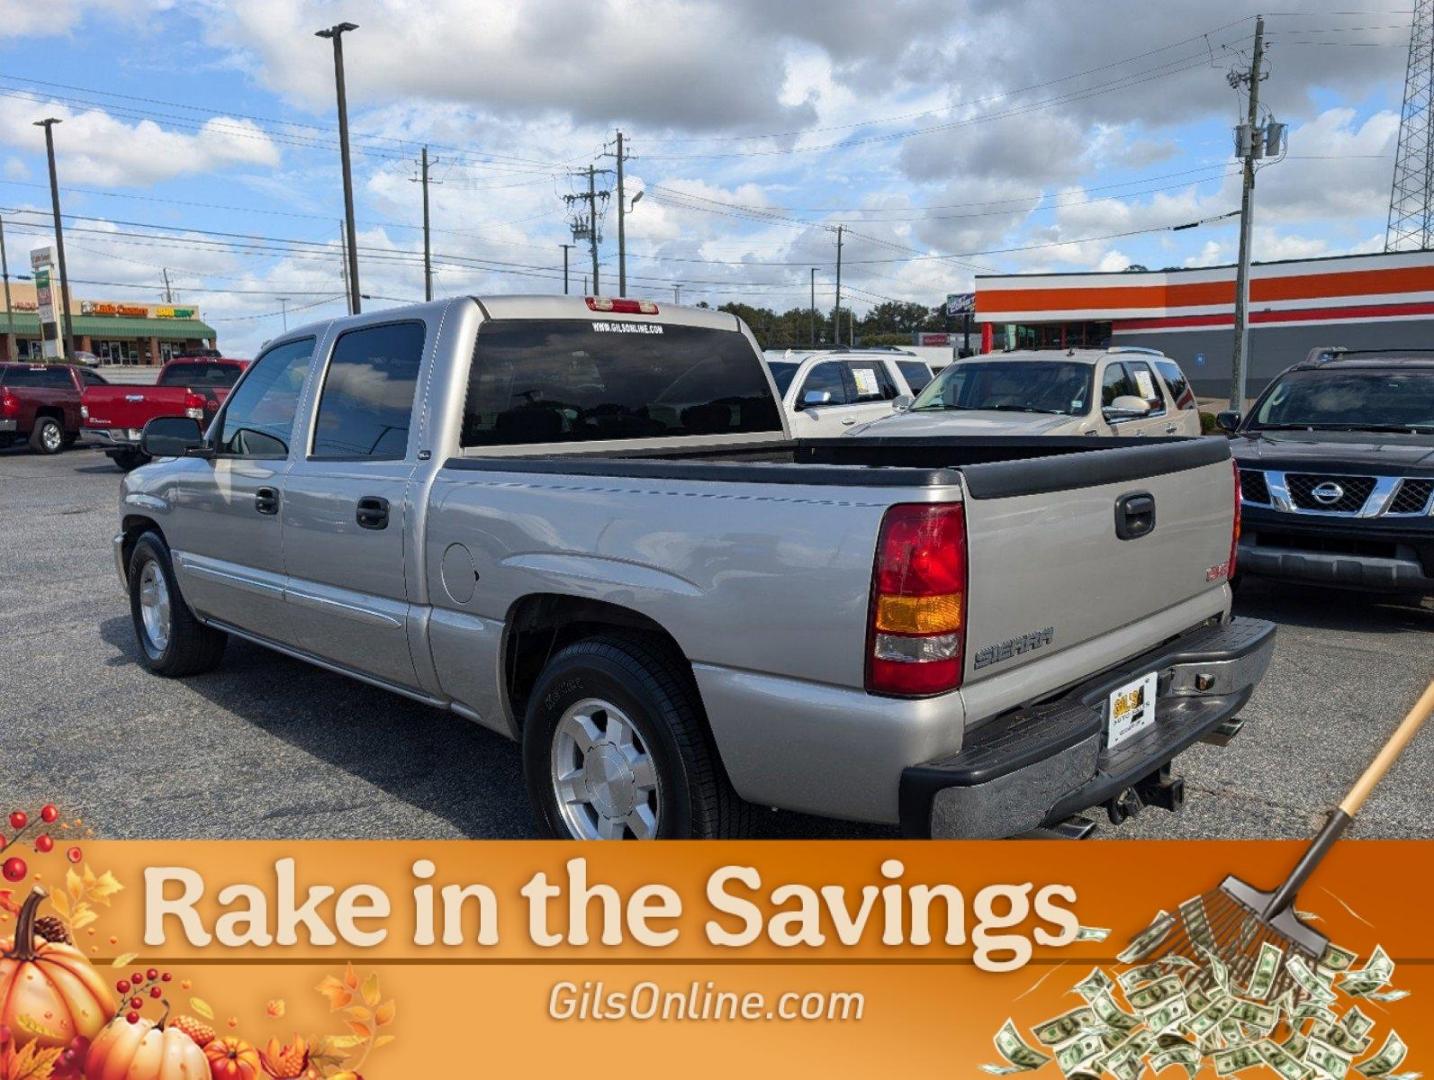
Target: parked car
column 41, row 403
column 1119, row 391
column 582, row 523
column 187, row 386
column 824, row 391
column 1337, row 471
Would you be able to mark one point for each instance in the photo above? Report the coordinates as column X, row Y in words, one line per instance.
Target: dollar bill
column 1071, row 1057
column 1375, row 974
column 1282, row 1061
column 1219, row 973
column 1197, row 999
column 1197, row 923
column 1143, row 973
column 1313, row 1010
column 1296, row 1043
column 1185, row 1055
column 1092, row 933
column 1308, row 981
column 1149, row 939
column 1257, row 1015
column 1329, row 1060
column 1014, row 1049
column 1236, row 1059
column 1094, row 984
column 1267, row 966
column 1151, row 996
column 1336, row 959
column 1168, row 1015
column 1391, row 1055
column 1208, row 1019
column 1387, row 995
column 1355, row 1022
column 1340, row 1037
column 1112, row 1015
column 1063, row 1028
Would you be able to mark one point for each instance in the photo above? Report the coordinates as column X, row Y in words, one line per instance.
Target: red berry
column 132, row 1017
column 136, row 1003
column 14, row 869
column 74, row 854
column 43, row 844
column 152, row 974
column 155, row 992
column 165, row 977
column 19, row 819
column 48, row 813
column 122, row 986
column 137, row 978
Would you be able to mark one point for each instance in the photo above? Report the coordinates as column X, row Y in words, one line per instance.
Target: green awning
column 114, row 326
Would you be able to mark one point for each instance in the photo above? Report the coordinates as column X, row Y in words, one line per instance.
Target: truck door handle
column 372, row 512
column 266, row 500
column 1135, row 515
column 849, row 421
column 1171, row 429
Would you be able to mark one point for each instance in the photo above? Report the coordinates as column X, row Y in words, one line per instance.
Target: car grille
column 1412, row 497
column 1356, row 491
column 1253, row 488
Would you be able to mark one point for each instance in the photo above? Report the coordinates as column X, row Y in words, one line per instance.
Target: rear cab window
column 44, row 377
column 570, row 381
column 200, row 374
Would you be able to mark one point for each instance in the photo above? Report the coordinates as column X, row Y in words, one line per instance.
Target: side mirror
column 1228, row 421
column 171, row 436
column 1126, row 407
column 902, row 402
column 816, row 397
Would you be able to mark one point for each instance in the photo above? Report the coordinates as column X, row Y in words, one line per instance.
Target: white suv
column 828, row 392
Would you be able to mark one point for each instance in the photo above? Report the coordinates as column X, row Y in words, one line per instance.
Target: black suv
column 1337, row 471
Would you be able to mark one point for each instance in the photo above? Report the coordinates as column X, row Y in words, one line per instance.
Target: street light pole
column 9, row 307
column 335, row 33
column 814, row 306
column 836, row 311
column 677, row 293
column 1240, row 360
column 566, row 248
column 284, row 306
column 65, row 324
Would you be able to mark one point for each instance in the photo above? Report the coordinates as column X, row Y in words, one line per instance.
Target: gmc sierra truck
column 582, row 523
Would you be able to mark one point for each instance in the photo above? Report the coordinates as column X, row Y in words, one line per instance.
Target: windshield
column 1362, row 399
column 783, row 372
column 1040, row 386
column 200, row 374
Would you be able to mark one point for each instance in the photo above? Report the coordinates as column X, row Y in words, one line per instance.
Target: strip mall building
column 116, row 331
column 1359, row 301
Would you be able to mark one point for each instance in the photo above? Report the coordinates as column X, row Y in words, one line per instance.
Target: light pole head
column 335, row 31
column 48, row 121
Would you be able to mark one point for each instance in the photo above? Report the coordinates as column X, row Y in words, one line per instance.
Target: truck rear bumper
column 7, row 426
column 1040, row 765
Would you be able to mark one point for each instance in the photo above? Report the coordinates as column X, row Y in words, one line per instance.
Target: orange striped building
column 1360, row 301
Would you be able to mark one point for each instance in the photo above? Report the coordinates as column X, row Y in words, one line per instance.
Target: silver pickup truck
column 582, row 523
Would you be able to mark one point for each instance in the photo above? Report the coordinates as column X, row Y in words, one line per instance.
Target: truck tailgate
column 1059, row 556
column 132, row 406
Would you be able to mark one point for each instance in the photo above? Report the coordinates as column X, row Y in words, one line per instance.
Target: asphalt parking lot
column 270, row 747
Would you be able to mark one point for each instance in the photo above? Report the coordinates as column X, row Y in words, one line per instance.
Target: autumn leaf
column 371, row 993
column 103, row 888
column 383, row 1040
column 61, row 903
column 359, row 1013
column 33, row 1063
column 202, row 1007
column 338, row 1043
column 7, row 902
column 123, row 960
column 384, row 1014
column 74, row 885
column 337, row 993
column 276, row 1008
column 363, row 1031
column 84, row 915
column 351, row 979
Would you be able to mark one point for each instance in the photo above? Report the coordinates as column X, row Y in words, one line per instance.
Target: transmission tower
column 1411, row 202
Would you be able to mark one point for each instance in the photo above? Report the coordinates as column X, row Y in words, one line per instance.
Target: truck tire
column 614, row 723
column 47, row 436
column 172, row 642
column 129, row 460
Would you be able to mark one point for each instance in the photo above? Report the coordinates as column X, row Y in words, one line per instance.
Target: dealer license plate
column 1132, row 710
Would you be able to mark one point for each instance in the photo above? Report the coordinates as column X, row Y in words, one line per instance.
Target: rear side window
column 825, row 386
column 916, row 374
column 569, row 380
column 1146, row 385
column 367, row 400
column 1177, row 382
column 216, row 375
column 870, row 381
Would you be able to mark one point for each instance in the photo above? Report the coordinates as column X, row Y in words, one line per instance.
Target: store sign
column 960, row 304
column 42, row 258
column 50, row 343
column 933, row 339
column 24, row 305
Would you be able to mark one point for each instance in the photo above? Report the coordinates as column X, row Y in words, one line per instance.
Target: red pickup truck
column 42, row 403
column 187, row 386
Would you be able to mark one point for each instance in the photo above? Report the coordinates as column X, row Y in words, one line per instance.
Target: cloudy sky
column 950, row 137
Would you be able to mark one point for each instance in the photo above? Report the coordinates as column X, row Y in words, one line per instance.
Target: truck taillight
column 621, row 305
column 194, row 406
column 918, row 601
column 84, row 412
column 9, row 404
column 1235, row 531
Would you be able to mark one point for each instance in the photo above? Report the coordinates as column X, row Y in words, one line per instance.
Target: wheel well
column 134, row 526
column 52, row 412
column 541, row 625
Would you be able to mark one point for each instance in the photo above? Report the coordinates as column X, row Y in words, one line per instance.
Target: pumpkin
column 232, row 1059
column 49, row 993
column 144, row 1051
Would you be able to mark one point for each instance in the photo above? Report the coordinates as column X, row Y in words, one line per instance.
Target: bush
column 1208, row 425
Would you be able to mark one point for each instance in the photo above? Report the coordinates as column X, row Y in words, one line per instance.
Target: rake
column 1233, row 922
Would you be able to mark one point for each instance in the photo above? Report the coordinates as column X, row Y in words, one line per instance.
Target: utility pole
column 65, row 324
column 336, row 33
column 585, row 284
column 836, row 312
column 284, row 310
column 621, row 222
column 168, row 292
column 677, row 293
column 423, row 167
column 585, row 223
column 344, row 264
column 10, row 352
column 814, row 306
column 1251, row 145
column 566, row 248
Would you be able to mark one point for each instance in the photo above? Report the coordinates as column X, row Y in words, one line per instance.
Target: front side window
column 576, row 380
column 1367, row 399
column 367, row 400
column 824, row 386
column 870, row 381
column 1035, row 386
column 1116, row 383
column 259, row 415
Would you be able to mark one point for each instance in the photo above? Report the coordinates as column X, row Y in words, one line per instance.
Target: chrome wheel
column 604, row 779
column 51, row 437
column 154, row 606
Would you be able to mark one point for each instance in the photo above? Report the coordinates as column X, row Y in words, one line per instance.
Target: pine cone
column 52, row 929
